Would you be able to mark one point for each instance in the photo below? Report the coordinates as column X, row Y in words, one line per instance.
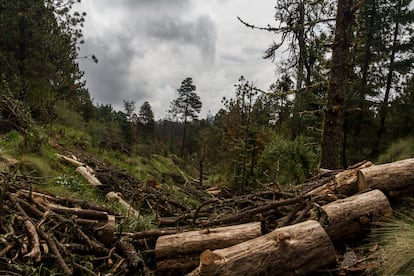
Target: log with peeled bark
column 292, row 250
column 389, row 178
column 348, row 218
column 344, row 183
column 116, row 197
column 88, row 174
column 181, row 251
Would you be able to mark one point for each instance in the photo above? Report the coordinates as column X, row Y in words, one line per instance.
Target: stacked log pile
column 290, row 232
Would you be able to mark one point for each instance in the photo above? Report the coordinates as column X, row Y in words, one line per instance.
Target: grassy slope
column 53, row 176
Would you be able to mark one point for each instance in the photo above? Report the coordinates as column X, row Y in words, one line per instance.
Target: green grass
column 399, row 150
column 396, row 240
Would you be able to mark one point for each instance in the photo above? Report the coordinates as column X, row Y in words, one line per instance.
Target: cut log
column 87, row 173
column 344, row 183
column 123, row 204
column 70, row 160
column 181, row 251
column 388, row 177
column 350, row 217
column 291, row 250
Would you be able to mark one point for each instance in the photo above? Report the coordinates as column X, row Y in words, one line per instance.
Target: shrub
column 286, row 162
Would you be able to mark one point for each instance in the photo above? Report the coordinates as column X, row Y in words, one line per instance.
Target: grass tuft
column 396, row 240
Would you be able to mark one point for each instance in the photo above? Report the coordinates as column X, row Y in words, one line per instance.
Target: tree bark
column 181, row 251
column 390, row 177
column 344, row 183
column 332, row 136
column 291, row 250
column 350, row 217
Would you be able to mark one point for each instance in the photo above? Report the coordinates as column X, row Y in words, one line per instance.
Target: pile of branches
column 41, row 232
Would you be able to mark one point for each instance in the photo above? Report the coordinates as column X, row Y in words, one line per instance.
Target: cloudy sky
column 147, row 47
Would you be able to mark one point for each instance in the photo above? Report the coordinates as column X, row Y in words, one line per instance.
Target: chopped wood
column 71, row 160
column 134, row 258
column 390, row 177
column 79, row 212
column 189, row 245
column 155, row 233
column 344, row 183
column 350, row 217
column 35, row 253
column 291, row 250
column 87, row 174
column 255, row 211
column 116, row 197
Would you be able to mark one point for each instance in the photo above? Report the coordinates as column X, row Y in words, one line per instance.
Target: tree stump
column 348, row 218
column 181, row 251
column 290, row 250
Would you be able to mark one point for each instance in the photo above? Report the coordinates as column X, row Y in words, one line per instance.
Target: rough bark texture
column 344, row 183
column 348, row 218
column 332, row 136
column 190, row 244
column 390, row 177
column 291, row 250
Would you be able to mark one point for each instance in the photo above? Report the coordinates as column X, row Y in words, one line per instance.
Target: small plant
column 396, row 240
column 70, row 182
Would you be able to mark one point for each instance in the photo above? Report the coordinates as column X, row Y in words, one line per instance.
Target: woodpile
column 292, row 232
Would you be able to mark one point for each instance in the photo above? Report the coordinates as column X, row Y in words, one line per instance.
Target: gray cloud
column 147, row 47
column 201, row 32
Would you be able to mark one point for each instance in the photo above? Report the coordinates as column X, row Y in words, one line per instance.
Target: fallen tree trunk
column 348, row 218
column 290, row 250
column 390, row 177
column 344, row 183
column 181, row 251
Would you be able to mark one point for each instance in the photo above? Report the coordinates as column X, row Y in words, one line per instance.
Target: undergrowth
column 396, row 240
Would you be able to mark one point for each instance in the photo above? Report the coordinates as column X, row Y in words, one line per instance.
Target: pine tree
column 38, row 52
column 146, row 119
column 186, row 106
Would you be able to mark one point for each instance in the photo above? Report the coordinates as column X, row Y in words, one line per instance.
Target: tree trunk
column 350, row 217
column 181, row 251
column 292, row 250
column 332, row 136
column 390, row 177
column 384, row 104
column 344, row 184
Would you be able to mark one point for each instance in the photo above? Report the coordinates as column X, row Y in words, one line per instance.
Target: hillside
column 161, row 197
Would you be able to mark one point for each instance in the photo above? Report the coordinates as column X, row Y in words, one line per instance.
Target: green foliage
column 11, row 140
column 286, row 162
column 70, row 136
column 187, row 105
column 399, row 150
column 34, row 165
column 67, row 116
column 396, row 240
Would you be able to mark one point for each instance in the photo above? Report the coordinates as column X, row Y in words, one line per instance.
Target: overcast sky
column 146, row 48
